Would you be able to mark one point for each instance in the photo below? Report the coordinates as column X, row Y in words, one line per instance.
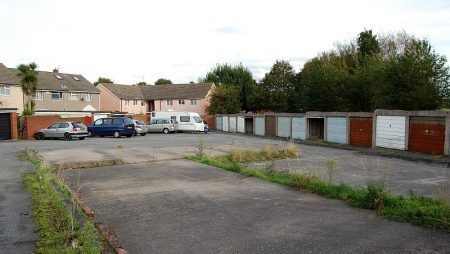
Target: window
column 107, row 121
column 185, row 119
column 5, row 90
column 88, row 97
column 169, row 102
column 74, row 96
column 135, row 103
column 64, row 125
column 127, row 103
column 193, row 102
column 57, row 96
column 173, row 118
column 98, row 122
column 128, row 122
column 142, row 103
column 58, row 77
column 39, row 96
column 140, row 122
column 181, row 102
column 117, row 121
column 197, row 119
column 54, row 126
column 75, row 78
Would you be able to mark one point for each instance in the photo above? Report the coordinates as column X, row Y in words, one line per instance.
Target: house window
column 88, row 97
column 127, row 103
column 169, row 102
column 39, row 96
column 57, row 95
column 142, row 103
column 5, row 90
column 135, row 102
column 181, row 102
column 193, row 102
column 74, row 96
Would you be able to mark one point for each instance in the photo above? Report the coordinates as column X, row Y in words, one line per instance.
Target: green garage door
column 5, row 126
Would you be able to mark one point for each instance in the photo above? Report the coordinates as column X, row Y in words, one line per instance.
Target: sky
column 133, row 41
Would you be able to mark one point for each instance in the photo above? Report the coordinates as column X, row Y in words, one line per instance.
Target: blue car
column 112, row 126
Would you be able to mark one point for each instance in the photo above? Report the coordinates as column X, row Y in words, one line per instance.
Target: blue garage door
column 284, row 127
column 299, row 128
column 259, row 126
column 337, row 130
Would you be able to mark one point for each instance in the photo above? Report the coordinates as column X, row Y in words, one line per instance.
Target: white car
column 140, row 127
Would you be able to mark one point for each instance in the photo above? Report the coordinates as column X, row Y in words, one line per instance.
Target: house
column 193, row 97
column 55, row 92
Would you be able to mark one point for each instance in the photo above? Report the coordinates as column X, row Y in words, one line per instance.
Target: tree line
column 391, row 71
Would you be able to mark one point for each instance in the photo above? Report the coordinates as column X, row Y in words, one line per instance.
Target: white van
column 187, row 121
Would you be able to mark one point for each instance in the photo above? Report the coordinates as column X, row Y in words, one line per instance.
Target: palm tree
column 28, row 78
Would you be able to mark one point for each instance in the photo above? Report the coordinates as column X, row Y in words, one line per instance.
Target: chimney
column 55, row 70
column 192, row 82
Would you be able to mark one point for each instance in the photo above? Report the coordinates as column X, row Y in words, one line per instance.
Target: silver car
column 66, row 130
column 164, row 125
column 140, row 127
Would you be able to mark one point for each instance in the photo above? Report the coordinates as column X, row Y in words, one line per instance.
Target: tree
column 277, row 87
column 368, row 45
column 29, row 81
column 142, row 83
column 163, row 81
column 102, row 80
column 224, row 100
column 239, row 76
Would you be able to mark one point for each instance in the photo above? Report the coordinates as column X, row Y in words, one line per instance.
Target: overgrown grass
column 268, row 152
column 59, row 232
column 416, row 210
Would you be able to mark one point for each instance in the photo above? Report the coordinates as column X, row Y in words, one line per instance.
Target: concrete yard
column 181, row 206
column 157, row 202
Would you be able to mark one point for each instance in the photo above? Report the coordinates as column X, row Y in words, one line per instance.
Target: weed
column 268, row 152
column 417, row 210
column 200, row 153
column 331, row 168
column 58, row 231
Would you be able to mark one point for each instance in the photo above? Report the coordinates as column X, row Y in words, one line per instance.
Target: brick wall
column 211, row 120
column 35, row 123
column 14, row 129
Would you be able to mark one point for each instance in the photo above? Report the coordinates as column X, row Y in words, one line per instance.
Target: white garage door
column 241, row 124
column 391, row 132
column 232, row 127
column 225, row 123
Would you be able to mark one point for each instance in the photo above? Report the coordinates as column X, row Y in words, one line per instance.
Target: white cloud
column 182, row 40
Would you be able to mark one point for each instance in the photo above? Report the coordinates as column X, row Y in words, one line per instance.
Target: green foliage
column 58, row 232
column 277, row 86
column 224, row 100
column 102, row 80
column 237, row 76
column 416, row 210
column 163, row 81
column 368, row 45
column 29, row 81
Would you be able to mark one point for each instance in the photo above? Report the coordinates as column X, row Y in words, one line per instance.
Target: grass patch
column 59, row 231
column 413, row 209
column 269, row 152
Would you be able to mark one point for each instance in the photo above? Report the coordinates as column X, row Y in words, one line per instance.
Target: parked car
column 164, row 125
column 112, row 126
column 66, row 130
column 140, row 127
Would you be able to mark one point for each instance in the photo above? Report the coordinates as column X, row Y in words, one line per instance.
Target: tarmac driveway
column 180, row 206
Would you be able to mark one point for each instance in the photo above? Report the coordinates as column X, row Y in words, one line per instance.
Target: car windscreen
column 197, row 119
column 140, row 123
column 78, row 125
column 128, row 122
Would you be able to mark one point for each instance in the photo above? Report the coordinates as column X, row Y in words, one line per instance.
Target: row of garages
column 419, row 131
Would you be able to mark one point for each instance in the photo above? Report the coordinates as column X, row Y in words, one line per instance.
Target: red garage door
column 361, row 131
column 271, row 125
column 427, row 134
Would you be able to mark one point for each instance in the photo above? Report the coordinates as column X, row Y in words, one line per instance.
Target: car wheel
column 143, row 134
column 92, row 134
column 40, row 136
column 129, row 136
column 116, row 134
column 81, row 138
column 67, row 136
column 166, row 131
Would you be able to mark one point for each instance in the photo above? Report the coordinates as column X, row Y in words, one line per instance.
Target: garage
column 259, row 126
column 249, row 124
column 299, row 128
column 390, row 132
column 337, row 130
column 316, row 128
column 232, row 124
column 271, row 125
column 240, row 124
column 427, row 134
column 361, row 131
column 218, row 123
column 5, row 126
column 225, row 123
column 284, row 127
